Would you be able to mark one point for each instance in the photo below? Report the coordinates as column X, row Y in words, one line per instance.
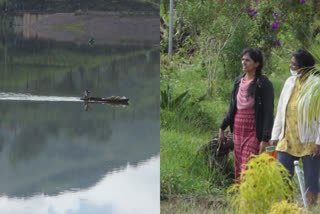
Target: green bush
column 284, row 207
column 264, row 183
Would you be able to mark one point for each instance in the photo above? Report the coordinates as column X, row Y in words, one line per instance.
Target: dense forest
column 74, row 5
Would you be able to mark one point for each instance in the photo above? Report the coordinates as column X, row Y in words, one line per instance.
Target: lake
column 58, row 155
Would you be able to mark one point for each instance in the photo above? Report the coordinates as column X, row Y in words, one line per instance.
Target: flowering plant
column 275, row 25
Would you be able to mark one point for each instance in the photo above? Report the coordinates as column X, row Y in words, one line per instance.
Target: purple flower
column 275, row 25
column 302, row 1
column 250, row 10
column 275, row 14
column 277, row 43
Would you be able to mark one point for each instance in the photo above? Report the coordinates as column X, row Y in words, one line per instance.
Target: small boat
column 112, row 99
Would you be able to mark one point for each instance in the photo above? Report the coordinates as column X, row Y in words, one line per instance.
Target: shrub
column 264, row 183
column 284, row 207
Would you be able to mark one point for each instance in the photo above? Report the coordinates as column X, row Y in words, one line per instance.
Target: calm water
column 58, row 158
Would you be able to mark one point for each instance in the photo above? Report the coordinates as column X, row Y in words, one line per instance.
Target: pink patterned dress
column 244, row 133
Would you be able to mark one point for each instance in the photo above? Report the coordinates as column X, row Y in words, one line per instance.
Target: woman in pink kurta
column 250, row 114
column 244, row 133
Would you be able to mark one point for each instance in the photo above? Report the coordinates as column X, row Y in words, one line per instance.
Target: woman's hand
column 222, row 139
column 262, row 147
column 274, row 142
column 316, row 151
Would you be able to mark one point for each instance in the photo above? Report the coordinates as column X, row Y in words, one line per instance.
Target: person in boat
column 115, row 98
column 91, row 41
column 86, row 94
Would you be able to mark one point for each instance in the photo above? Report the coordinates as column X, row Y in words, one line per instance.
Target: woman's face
column 248, row 65
column 294, row 64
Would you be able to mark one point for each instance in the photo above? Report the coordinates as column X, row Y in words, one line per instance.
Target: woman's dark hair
column 256, row 55
column 305, row 60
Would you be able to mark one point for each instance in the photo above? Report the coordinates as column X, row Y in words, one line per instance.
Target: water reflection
column 120, row 192
column 57, row 158
column 99, row 26
column 87, row 105
column 65, row 147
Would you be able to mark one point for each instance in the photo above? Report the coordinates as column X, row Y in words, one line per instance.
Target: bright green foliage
column 315, row 51
column 302, row 21
column 264, row 183
column 196, row 112
column 164, row 7
column 309, row 104
column 284, row 207
column 309, row 98
column 167, row 101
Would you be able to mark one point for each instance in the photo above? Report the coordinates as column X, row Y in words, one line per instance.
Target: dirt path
column 105, row 28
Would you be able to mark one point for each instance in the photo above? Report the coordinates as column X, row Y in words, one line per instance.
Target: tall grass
column 178, row 153
column 184, row 170
column 191, row 206
column 184, row 129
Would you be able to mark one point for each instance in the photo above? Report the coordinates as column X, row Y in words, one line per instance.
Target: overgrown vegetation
column 208, row 39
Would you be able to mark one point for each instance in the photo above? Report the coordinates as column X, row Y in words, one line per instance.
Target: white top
column 279, row 122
